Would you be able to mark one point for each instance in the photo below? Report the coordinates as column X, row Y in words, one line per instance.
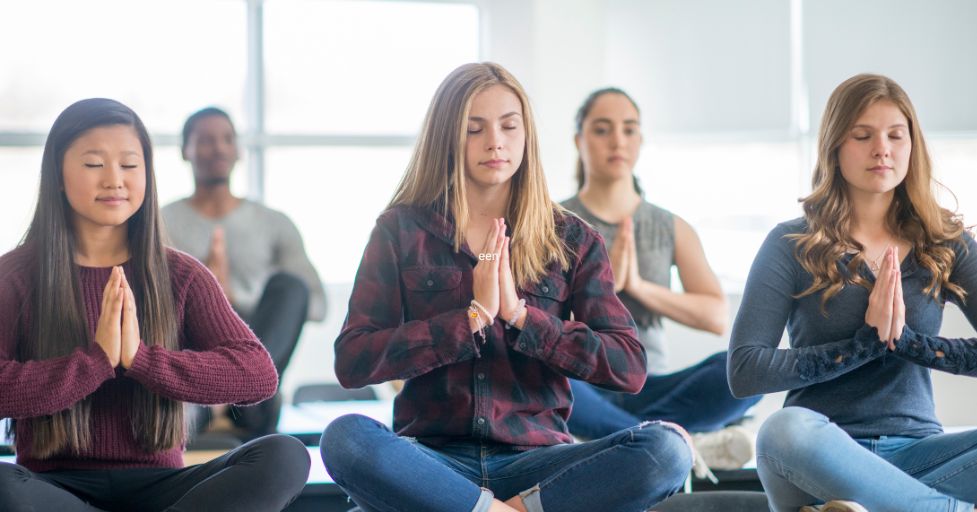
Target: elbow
column 739, row 385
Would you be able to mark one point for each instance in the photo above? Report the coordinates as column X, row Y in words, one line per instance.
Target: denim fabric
column 698, row 398
column 628, row 471
column 803, row 458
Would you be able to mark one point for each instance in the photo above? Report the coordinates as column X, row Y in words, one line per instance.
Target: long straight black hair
column 58, row 324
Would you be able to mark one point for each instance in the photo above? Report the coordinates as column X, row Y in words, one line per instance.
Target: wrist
column 518, row 313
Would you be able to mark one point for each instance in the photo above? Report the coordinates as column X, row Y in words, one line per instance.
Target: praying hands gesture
column 492, row 283
column 886, row 308
column 623, row 255
column 117, row 332
column 217, row 260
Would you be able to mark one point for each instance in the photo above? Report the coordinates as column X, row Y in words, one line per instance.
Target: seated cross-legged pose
column 860, row 281
column 644, row 241
column 105, row 333
column 255, row 252
column 481, row 332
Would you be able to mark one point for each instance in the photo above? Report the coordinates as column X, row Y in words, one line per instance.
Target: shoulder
column 264, row 213
column 15, row 268
column 178, row 207
column 654, row 212
column 575, row 232
column 789, row 228
column 183, row 267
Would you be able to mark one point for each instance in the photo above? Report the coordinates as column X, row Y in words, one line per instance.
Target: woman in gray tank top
column 643, row 242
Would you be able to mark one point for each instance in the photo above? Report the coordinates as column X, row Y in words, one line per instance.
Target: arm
column 756, row 365
column 957, row 356
column 292, row 259
column 40, row 388
column 222, row 362
column 702, row 305
column 600, row 345
column 375, row 344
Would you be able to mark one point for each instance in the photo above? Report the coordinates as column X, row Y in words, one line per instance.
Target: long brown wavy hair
column 914, row 214
column 435, row 177
column 58, row 313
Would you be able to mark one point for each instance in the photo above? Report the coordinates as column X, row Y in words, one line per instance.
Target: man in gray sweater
column 255, row 252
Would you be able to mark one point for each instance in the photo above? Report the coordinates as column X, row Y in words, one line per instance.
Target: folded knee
column 669, row 452
column 789, row 430
column 345, row 440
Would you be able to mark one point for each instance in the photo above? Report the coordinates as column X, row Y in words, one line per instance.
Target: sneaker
column 835, row 506
column 725, row 449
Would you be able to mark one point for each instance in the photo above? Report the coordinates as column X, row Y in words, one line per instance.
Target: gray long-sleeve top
column 836, row 365
column 260, row 242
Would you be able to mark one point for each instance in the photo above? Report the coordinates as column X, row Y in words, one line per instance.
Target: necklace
column 875, row 265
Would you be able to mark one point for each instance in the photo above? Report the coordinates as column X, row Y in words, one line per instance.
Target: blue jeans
column 803, row 458
column 628, row 471
column 698, row 398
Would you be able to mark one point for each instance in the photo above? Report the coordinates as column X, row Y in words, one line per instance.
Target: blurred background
column 328, row 96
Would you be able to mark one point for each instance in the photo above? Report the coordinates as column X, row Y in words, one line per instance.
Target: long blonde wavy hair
column 914, row 214
column 435, row 177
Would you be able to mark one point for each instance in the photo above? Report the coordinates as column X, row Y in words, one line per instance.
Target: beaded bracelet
column 473, row 313
column 482, row 308
column 520, row 309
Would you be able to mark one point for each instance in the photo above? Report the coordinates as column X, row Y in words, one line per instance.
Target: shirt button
column 481, row 421
column 546, row 289
column 430, row 282
column 481, row 376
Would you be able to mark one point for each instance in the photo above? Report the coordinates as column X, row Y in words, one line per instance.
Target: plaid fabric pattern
column 407, row 320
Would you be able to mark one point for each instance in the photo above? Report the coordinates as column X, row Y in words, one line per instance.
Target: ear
column 183, row 153
column 576, row 141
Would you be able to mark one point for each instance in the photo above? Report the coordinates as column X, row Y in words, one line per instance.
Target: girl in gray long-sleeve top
column 860, row 282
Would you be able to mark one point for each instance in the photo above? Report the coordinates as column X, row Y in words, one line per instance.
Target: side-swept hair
column 914, row 214
column 435, row 177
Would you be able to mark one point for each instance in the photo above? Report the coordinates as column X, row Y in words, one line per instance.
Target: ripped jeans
column 628, row 471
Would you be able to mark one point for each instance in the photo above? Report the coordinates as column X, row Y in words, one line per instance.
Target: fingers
column 898, row 306
column 111, row 285
column 491, row 240
column 500, row 238
column 117, row 295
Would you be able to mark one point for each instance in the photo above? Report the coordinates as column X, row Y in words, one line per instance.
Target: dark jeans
column 277, row 321
column 625, row 472
column 264, row 475
column 698, row 398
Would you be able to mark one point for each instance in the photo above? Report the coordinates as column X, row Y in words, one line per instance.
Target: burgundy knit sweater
column 220, row 361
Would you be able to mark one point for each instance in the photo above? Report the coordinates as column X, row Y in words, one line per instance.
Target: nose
column 618, row 138
column 494, row 142
column 882, row 147
column 112, row 176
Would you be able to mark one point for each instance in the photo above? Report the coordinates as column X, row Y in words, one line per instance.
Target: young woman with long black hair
column 105, row 333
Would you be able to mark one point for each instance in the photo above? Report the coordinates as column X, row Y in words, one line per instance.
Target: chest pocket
column 550, row 294
column 429, row 291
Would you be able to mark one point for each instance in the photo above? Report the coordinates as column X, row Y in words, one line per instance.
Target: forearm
column 40, row 388
column 957, row 356
column 700, row 311
column 236, row 372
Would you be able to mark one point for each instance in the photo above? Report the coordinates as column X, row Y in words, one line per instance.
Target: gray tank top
column 654, row 230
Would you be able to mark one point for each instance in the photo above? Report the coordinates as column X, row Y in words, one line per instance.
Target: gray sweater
column 260, row 242
column 654, row 234
column 836, row 365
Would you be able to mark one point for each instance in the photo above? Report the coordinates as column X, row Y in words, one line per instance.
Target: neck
column 611, row 200
column 101, row 246
column 869, row 213
column 213, row 200
column 486, row 203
